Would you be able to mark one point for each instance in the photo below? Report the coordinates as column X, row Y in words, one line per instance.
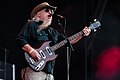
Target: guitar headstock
column 94, row 25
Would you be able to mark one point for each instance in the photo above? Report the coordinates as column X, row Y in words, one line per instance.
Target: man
column 34, row 33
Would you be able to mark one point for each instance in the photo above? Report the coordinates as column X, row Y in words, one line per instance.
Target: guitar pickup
column 42, row 54
column 49, row 50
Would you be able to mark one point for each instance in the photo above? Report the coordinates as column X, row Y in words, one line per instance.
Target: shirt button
column 39, row 34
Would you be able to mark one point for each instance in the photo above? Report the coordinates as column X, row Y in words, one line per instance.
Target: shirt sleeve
column 22, row 37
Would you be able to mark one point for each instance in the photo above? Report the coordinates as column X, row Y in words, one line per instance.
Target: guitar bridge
column 39, row 65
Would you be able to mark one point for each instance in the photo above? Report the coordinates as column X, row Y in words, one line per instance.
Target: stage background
column 100, row 49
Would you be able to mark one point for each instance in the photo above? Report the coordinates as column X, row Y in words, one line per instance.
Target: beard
column 46, row 23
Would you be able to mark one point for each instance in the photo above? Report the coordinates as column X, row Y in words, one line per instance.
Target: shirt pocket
column 42, row 36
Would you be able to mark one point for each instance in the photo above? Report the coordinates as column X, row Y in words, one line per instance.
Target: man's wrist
column 31, row 51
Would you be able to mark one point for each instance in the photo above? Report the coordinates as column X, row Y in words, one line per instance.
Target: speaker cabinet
column 7, row 71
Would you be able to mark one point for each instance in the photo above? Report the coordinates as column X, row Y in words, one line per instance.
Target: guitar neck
column 92, row 26
column 62, row 43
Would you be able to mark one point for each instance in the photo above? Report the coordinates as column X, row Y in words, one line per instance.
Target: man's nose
column 51, row 12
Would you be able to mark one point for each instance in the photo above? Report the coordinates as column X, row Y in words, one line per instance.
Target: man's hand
column 32, row 52
column 86, row 31
column 35, row 55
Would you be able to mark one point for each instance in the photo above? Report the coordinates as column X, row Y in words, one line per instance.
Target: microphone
column 59, row 16
column 61, row 21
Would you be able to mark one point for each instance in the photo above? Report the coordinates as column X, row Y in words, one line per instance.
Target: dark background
column 87, row 53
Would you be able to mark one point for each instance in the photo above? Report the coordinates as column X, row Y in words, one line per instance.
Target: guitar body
column 46, row 55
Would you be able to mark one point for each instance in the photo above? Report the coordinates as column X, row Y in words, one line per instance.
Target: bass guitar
column 47, row 52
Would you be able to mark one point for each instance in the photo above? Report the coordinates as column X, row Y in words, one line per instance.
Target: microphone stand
column 69, row 46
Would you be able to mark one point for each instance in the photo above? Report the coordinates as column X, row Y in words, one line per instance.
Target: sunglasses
column 49, row 10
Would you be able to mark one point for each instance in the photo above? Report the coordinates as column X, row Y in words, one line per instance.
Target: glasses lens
column 49, row 10
column 46, row 10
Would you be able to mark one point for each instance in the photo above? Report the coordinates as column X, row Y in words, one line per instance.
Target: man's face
column 45, row 15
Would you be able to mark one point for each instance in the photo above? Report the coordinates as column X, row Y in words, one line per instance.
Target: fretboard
column 62, row 43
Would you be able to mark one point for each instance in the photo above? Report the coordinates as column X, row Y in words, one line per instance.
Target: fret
column 56, row 46
column 75, row 36
column 62, row 43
